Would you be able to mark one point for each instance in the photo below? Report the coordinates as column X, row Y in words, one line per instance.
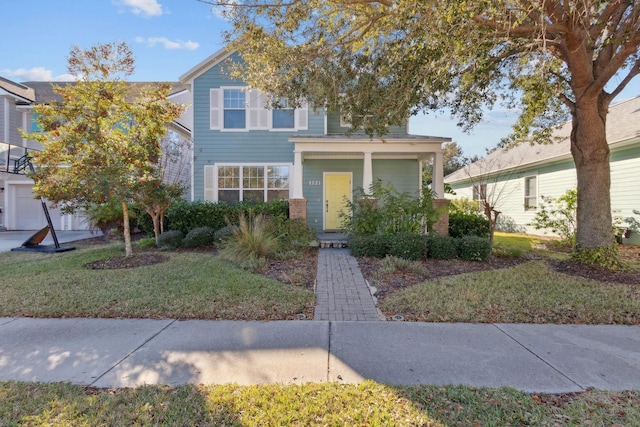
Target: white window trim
column 524, row 193
column 300, row 120
column 246, row 108
column 214, row 189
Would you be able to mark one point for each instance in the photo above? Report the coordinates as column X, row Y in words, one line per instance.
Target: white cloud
column 168, row 44
column 145, row 8
column 36, row 74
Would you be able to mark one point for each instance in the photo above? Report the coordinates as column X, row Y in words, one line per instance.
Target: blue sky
column 167, row 37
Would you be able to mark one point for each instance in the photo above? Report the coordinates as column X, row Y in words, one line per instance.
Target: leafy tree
column 453, row 159
column 101, row 142
column 380, row 60
column 156, row 196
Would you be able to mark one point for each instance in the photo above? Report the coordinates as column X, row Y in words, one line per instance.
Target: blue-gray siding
column 213, row 146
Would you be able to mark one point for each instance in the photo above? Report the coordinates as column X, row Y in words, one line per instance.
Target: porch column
column 367, row 173
column 297, row 175
column 297, row 204
column 438, row 178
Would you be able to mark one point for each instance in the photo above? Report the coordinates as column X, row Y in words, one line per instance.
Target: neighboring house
column 243, row 150
column 19, row 209
column 518, row 178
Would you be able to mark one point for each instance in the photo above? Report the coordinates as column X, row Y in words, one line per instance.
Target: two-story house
column 245, row 150
column 18, row 208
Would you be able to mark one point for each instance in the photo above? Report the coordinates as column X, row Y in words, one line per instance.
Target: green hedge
column 410, row 246
column 199, row 237
column 466, row 224
column 368, row 245
column 171, row 239
column 474, row 248
column 185, row 216
column 441, row 247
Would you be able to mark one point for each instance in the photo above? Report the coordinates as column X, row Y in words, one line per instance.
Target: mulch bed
column 302, row 271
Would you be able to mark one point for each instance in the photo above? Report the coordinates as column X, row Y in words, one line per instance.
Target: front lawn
column 189, row 285
column 531, row 292
column 327, row 404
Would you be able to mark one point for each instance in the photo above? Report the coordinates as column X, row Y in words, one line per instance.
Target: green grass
column 190, row 285
column 527, row 293
column 327, row 404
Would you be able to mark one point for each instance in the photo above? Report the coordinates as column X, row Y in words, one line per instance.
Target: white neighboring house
column 517, row 178
column 18, row 208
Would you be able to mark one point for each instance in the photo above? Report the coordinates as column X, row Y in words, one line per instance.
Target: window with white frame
column 234, row 109
column 530, row 193
column 243, row 109
column 257, row 183
column 480, row 192
column 283, row 117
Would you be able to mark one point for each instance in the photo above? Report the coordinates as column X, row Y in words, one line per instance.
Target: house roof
column 44, row 92
column 623, row 126
column 17, row 89
column 203, row 66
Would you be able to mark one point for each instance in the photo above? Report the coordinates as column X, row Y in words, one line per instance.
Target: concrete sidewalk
column 126, row 353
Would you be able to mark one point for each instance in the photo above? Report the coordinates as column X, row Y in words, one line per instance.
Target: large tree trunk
column 591, row 156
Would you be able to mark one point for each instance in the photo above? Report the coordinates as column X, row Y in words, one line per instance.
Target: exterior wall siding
column 556, row 179
column 625, row 197
column 333, row 126
column 403, row 174
column 214, row 146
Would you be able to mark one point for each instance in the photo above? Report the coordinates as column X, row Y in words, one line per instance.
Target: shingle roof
column 44, row 91
column 17, row 89
column 623, row 124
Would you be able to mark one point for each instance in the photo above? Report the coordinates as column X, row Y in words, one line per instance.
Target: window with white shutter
column 214, row 106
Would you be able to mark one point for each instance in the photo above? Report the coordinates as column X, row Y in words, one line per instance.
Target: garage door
column 29, row 213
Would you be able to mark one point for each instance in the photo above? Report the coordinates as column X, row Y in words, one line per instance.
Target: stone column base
column 442, row 226
column 298, row 208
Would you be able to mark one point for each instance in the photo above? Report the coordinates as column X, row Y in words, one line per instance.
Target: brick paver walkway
column 342, row 292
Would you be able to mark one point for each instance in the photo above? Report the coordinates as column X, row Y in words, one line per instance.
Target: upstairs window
column 241, row 109
column 530, row 193
column 235, row 114
column 283, row 116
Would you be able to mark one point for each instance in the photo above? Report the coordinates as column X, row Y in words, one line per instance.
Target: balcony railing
column 10, row 156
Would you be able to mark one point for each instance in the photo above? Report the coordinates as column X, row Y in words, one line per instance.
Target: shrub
column 368, row 245
column 186, row 216
column 410, row 246
column 441, row 247
column 147, row 242
column 251, row 240
column 171, row 239
column 559, row 216
column 468, row 224
column 474, row 248
column 391, row 264
column 223, row 234
column 464, row 205
column 604, row 257
column 293, row 234
column 201, row 236
column 387, row 211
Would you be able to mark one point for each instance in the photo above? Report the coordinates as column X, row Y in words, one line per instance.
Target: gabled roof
column 623, row 126
column 203, row 66
column 21, row 91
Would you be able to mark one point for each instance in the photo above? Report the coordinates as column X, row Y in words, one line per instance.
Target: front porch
column 356, row 161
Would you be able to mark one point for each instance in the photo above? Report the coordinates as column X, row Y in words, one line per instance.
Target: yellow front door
column 337, row 191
